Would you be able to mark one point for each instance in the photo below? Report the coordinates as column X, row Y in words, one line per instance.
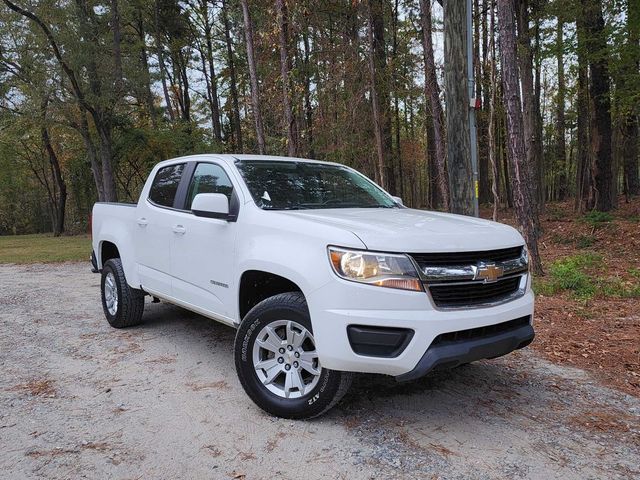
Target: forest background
column 94, row 93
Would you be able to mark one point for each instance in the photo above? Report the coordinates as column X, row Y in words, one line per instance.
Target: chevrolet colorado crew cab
column 321, row 271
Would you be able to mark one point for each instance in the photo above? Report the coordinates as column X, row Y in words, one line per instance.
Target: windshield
column 284, row 185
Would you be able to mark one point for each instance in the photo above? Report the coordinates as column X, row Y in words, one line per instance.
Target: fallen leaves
column 219, row 385
column 601, row 335
column 37, row 388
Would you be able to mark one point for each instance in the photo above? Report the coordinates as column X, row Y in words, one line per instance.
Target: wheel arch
column 256, row 285
column 108, row 250
column 112, row 246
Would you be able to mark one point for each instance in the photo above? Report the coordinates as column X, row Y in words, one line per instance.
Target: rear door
column 203, row 249
column 155, row 217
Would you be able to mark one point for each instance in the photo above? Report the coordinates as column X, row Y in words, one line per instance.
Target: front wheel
column 277, row 362
column 122, row 305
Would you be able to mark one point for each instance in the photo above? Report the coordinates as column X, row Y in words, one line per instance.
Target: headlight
column 380, row 269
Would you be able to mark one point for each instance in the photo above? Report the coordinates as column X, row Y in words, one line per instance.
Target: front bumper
column 364, row 305
column 452, row 354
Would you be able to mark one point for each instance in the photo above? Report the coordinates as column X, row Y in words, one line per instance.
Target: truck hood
column 409, row 230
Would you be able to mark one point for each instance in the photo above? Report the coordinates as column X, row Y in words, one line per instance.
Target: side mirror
column 211, row 205
column 397, row 200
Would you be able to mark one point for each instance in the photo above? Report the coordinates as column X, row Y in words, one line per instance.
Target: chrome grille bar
column 470, row 272
column 474, row 279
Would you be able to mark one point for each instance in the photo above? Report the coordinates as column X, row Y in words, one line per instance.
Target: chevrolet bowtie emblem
column 488, row 273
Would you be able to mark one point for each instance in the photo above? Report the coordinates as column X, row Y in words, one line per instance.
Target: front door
column 203, row 249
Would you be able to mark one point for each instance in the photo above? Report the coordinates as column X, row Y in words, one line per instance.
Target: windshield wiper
column 293, row 207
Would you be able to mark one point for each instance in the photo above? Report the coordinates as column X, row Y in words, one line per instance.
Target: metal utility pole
column 472, row 108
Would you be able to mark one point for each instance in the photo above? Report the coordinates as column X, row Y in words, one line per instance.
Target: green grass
column 585, row 241
column 597, row 219
column 569, row 274
column 572, row 274
column 44, row 248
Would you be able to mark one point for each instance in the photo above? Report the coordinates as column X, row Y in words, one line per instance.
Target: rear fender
column 122, row 239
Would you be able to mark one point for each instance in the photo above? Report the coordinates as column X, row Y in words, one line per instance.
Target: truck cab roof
column 231, row 158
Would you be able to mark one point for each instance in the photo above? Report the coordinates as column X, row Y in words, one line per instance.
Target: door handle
column 179, row 229
column 143, row 222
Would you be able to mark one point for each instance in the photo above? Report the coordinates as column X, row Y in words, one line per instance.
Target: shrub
column 597, row 219
column 585, row 241
column 570, row 274
column 617, row 287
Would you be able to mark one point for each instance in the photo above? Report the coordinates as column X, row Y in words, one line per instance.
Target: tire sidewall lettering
column 247, row 339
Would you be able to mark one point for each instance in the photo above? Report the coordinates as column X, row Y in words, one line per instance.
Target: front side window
column 165, row 185
column 208, row 178
column 290, row 185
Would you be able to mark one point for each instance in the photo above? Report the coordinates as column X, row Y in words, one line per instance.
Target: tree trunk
column 213, row 79
column 161, row 65
column 207, row 83
column 108, row 179
column 457, row 101
column 380, row 84
column 144, row 65
column 525, row 59
column 375, row 101
column 482, row 87
column 434, row 107
column 181, row 63
column 233, row 83
column 630, row 151
column 396, row 101
column 94, row 164
column 251, row 60
column 583, row 111
column 523, row 203
column 495, row 176
column 504, row 155
column 539, row 166
column 117, row 50
column 60, row 200
column 561, row 147
column 630, row 126
column 601, row 104
column 285, row 72
column 434, row 200
column 308, row 108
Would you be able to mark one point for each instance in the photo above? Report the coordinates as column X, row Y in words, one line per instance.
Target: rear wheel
column 277, row 362
column 122, row 305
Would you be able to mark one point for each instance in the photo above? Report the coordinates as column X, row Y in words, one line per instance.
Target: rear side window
column 165, row 185
column 209, row 178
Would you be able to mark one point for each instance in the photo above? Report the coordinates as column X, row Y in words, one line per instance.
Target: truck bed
column 113, row 222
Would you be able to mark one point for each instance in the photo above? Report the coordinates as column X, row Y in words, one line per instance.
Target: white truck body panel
column 198, row 263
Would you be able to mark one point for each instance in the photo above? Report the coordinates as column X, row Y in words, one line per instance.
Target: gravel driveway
column 80, row 399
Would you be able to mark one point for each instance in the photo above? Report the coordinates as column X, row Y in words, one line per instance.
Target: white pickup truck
column 321, row 271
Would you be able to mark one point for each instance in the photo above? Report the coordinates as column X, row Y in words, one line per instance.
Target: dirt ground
column 79, row 399
column 601, row 334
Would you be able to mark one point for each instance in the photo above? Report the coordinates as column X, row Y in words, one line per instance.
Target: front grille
column 469, row 294
column 480, row 332
column 465, row 258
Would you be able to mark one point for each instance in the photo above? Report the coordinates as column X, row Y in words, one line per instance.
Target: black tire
column 331, row 386
column 130, row 304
